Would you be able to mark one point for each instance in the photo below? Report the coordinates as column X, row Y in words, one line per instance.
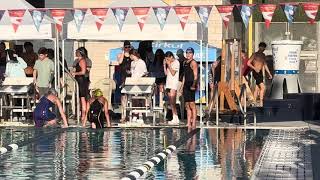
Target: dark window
column 37, row 3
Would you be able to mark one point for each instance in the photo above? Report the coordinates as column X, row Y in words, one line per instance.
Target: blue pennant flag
column 246, row 12
column 289, row 10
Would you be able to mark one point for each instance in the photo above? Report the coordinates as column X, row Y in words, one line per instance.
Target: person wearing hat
column 98, row 110
column 190, row 81
column 125, row 66
column 43, row 116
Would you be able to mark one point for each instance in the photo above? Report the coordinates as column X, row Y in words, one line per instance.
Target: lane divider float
column 135, row 174
column 10, row 147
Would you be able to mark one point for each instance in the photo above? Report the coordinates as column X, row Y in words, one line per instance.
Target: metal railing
column 75, row 95
column 242, row 107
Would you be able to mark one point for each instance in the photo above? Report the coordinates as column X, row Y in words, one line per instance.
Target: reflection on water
column 111, row 154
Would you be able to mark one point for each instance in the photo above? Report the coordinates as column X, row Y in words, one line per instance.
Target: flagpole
column 250, row 35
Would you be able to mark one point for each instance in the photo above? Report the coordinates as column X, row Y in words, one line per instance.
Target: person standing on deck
column 171, row 69
column 42, row 72
column 29, row 57
column 190, row 81
column 125, row 65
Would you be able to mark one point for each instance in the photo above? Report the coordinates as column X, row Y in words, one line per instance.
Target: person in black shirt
column 125, row 66
column 3, row 59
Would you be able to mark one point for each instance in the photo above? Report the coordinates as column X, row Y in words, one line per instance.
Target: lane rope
column 147, row 166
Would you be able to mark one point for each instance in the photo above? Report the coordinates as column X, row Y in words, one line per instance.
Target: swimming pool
column 113, row 153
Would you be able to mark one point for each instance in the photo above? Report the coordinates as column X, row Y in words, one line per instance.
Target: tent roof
column 27, row 29
column 131, row 31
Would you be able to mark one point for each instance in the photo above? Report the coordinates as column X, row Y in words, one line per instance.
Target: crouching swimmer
column 43, row 115
column 97, row 111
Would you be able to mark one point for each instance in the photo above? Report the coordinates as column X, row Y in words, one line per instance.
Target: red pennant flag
column 311, row 10
column 100, row 15
column 225, row 13
column 141, row 13
column 16, row 17
column 267, row 11
column 183, row 14
column 58, row 16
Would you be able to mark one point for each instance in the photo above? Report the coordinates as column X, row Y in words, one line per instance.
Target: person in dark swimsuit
column 190, row 70
column 79, row 74
column 125, row 66
column 43, row 116
column 98, row 111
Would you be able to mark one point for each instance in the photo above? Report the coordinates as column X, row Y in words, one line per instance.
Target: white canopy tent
column 172, row 30
column 130, row 31
column 27, row 29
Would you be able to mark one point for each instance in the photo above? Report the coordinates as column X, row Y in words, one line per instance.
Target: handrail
column 66, row 70
column 243, row 109
column 216, row 98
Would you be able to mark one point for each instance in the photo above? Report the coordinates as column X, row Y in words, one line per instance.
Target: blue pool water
column 113, row 153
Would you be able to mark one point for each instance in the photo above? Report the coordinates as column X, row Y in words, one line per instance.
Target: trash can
column 286, row 55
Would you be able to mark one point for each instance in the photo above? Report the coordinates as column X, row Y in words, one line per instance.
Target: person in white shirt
column 15, row 65
column 138, row 66
column 138, row 70
column 171, row 69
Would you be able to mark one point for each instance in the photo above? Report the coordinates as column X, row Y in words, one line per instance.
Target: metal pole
column 63, row 76
column 318, row 64
column 55, row 61
column 201, row 82
column 207, row 73
column 250, row 33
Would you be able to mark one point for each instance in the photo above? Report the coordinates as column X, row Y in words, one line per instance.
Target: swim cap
column 97, row 93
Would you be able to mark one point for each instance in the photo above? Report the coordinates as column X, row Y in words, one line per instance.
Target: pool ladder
column 242, row 107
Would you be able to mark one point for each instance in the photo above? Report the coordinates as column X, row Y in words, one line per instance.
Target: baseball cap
column 126, row 43
column 190, row 49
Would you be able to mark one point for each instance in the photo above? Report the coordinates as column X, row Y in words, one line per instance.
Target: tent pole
column 63, row 75
column 201, row 82
column 207, row 73
column 55, row 61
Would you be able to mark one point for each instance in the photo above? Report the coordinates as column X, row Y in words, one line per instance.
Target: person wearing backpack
column 97, row 111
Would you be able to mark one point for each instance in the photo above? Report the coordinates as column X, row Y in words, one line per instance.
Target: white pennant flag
column 204, row 13
column 120, row 15
column 37, row 16
column 162, row 14
column 78, row 16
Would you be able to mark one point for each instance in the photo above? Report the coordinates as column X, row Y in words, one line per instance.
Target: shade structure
column 26, row 30
column 130, row 31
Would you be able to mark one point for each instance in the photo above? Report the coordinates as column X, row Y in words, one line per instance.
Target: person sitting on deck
column 98, row 111
column 43, row 115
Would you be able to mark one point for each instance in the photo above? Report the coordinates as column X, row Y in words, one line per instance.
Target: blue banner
column 173, row 47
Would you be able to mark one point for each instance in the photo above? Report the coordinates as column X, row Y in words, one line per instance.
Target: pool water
column 113, row 153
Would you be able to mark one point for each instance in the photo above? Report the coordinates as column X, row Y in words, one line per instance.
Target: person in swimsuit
column 190, row 81
column 43, row 116
column 98, row 111
column 125, row 66
column 30, row 57
column 257, row 63
column 79, row 74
